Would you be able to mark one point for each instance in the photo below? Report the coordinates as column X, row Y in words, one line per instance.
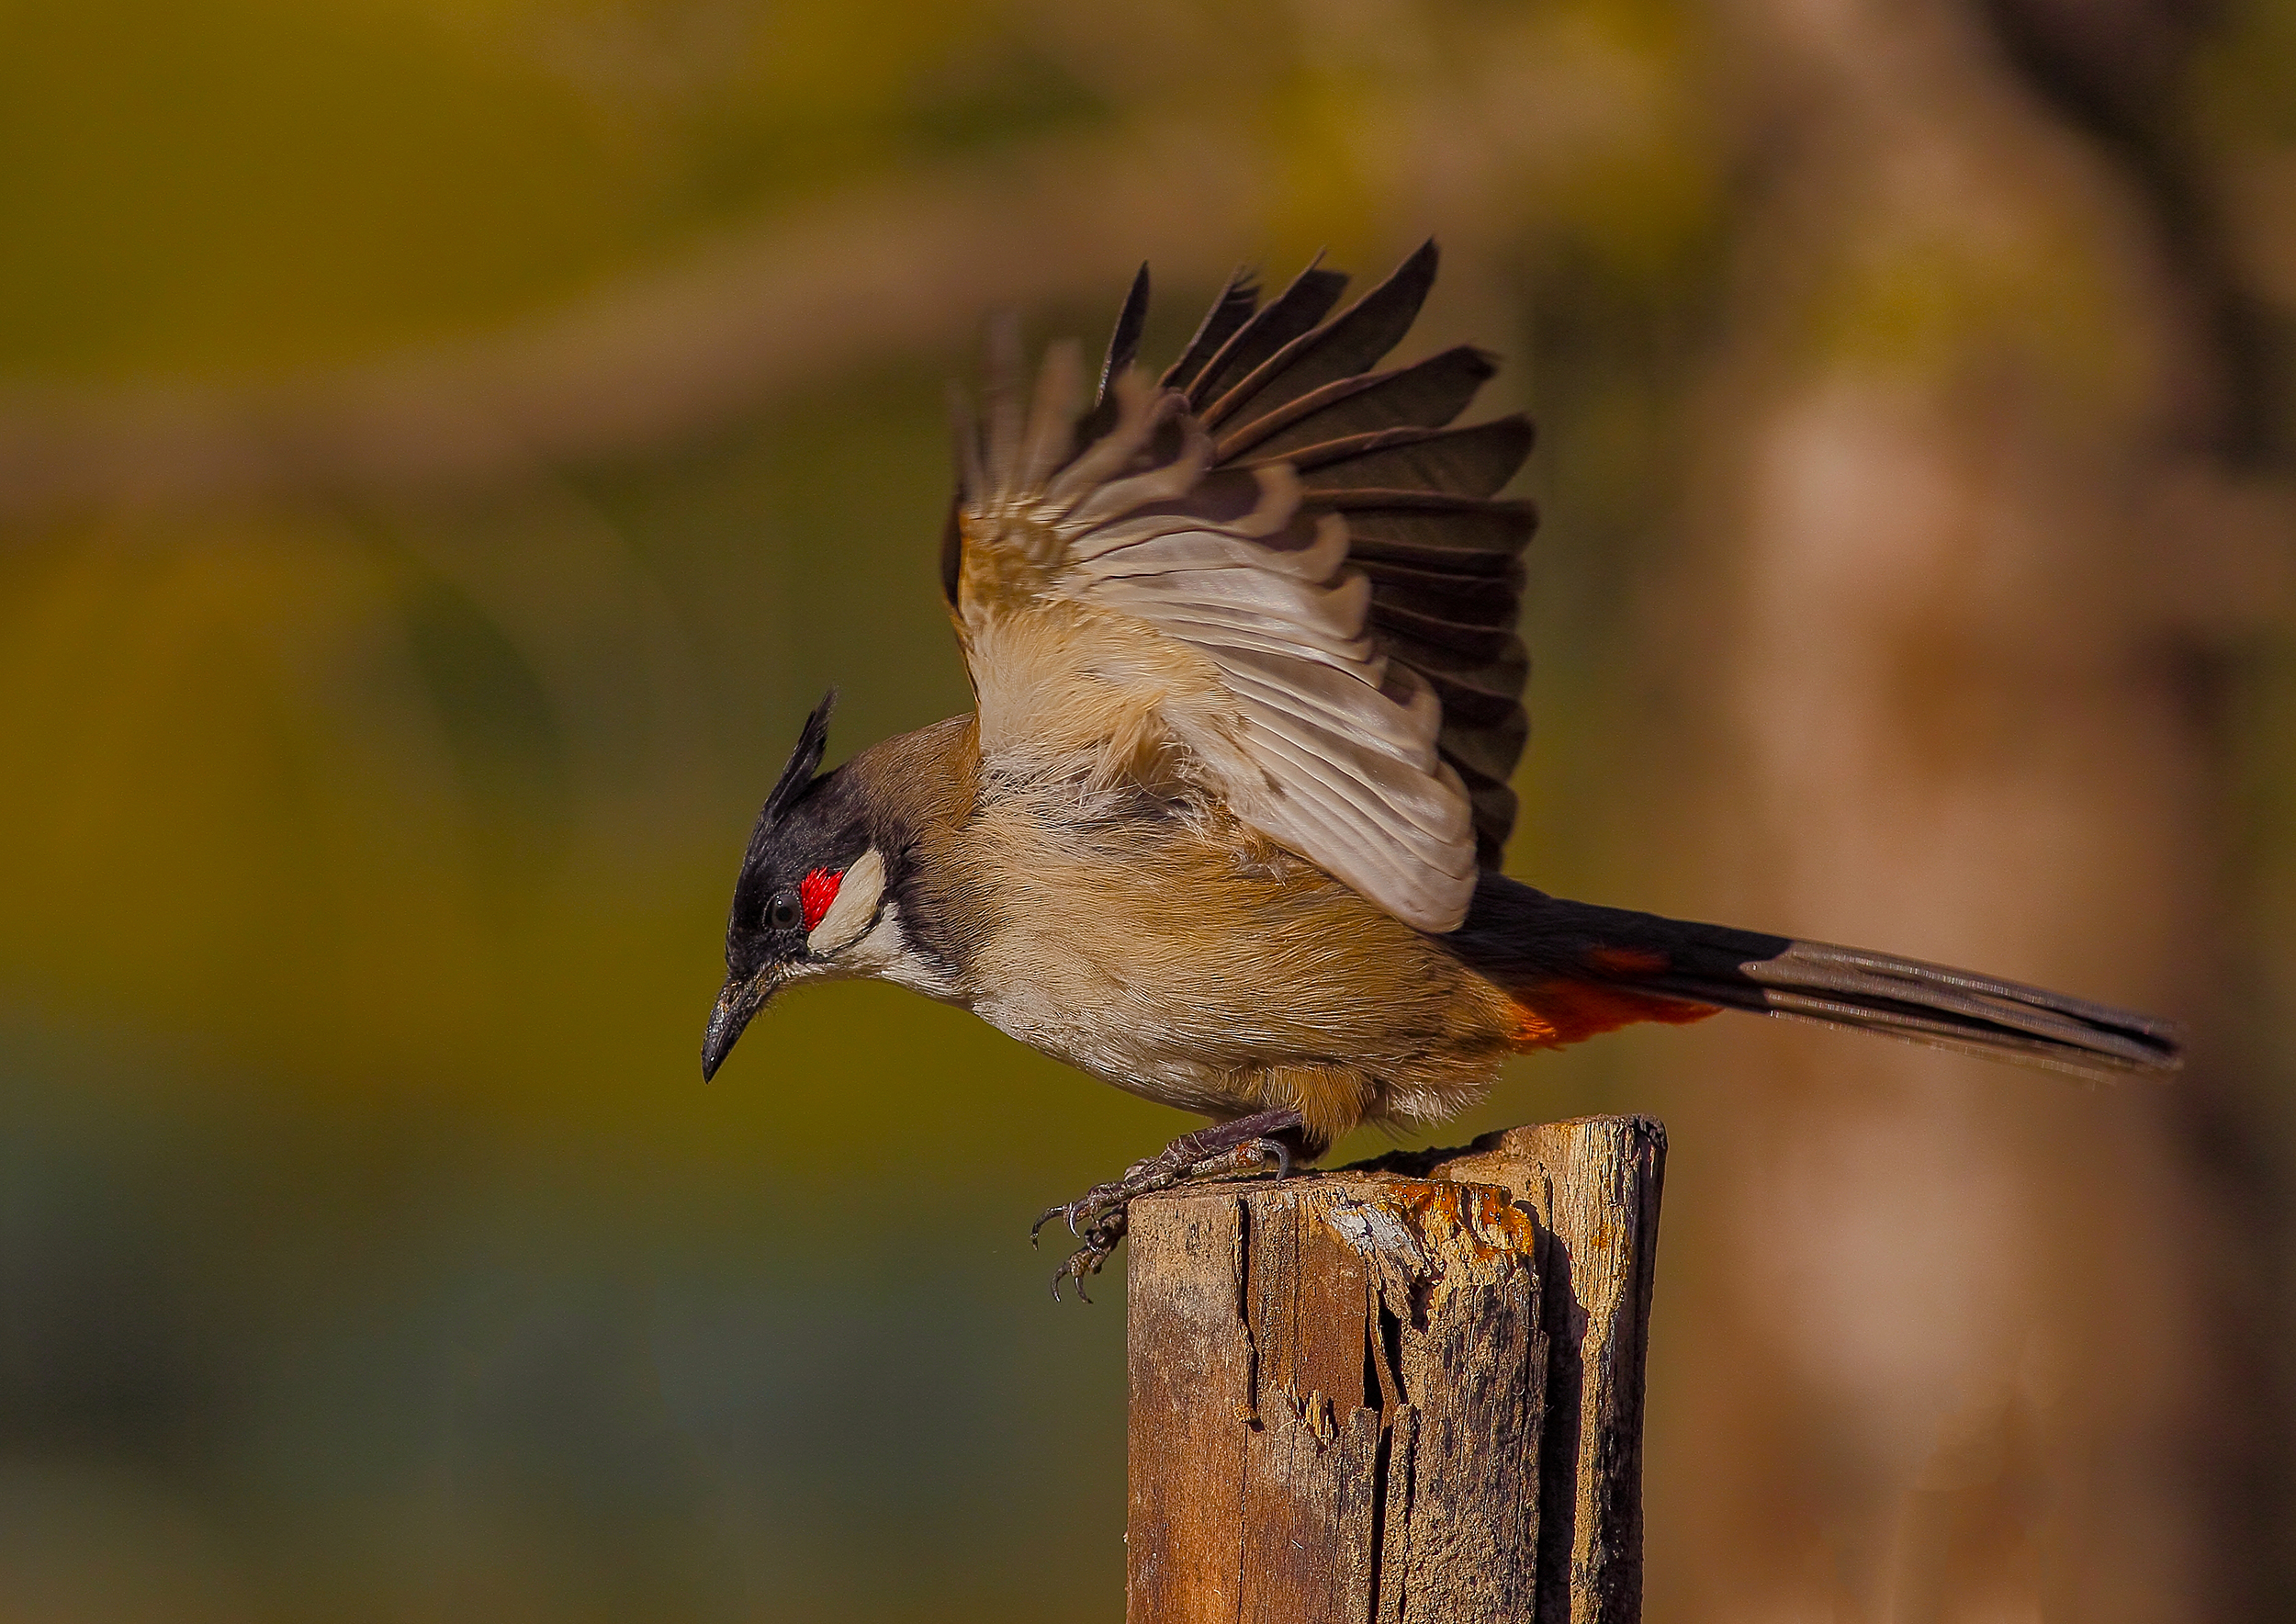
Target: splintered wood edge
column 1592, row 1185
column 1337, row 1391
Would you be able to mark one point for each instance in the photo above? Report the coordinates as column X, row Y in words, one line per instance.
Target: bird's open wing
column 1274, row 577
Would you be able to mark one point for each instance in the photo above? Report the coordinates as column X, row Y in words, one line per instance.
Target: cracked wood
column 1399, row 1394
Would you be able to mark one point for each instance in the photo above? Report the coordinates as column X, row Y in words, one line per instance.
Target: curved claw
column 1098, row 1218
column 1070, row 1271
column 1072, row 1210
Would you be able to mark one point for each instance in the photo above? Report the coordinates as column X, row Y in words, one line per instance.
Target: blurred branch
column 913, row 262
column 656, row 359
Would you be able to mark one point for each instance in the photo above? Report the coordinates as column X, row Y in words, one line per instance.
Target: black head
column 809, row 888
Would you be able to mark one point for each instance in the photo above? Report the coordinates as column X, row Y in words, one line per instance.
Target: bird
column 1224, row 826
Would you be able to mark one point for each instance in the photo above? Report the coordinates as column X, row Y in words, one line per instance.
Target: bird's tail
column 1575, row 969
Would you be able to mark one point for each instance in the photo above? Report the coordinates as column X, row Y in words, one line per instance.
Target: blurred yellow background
column 447, row 444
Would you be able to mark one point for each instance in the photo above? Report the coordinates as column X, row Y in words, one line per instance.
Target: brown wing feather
column 1443, row 555
column 1290, row 314
column 1429, row 394
column 1230, row 311
column 1335, row 649
column 1350, row 343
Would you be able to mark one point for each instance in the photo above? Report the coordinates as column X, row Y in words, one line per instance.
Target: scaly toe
column 1087, row 1209
column 1066, row 1210
column 1085, row 1262
column 1099, row 1217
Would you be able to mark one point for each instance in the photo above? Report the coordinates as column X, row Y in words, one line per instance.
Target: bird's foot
column 1101, row 1215
column 1098, row 1217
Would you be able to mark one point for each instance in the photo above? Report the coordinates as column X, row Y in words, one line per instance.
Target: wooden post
column 1407, row 1393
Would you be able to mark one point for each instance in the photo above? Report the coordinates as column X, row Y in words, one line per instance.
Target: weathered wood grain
column 1190, row 1404
column 1408, row 1393
column 1593, row 1185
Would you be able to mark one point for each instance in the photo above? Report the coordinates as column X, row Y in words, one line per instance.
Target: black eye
column 781, row 912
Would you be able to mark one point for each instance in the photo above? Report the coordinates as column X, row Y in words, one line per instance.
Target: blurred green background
column 445, row 445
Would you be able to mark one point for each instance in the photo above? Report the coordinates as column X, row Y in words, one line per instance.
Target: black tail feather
column 1526, row 939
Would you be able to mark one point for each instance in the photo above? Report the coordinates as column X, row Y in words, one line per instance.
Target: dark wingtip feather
column 1428, row 394
column 1474, row 461
column 1124, row 341
column 953, row 550
column 1427, row 530
column 1492, row 803
column 1293, row 311
column 1230, row 311
column 1350, row 343
column 1123, row 350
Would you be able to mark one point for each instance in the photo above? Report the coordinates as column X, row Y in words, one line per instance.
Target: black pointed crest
column 804, row 763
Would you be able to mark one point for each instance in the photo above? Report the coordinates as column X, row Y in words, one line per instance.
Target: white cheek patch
column 858, row 895
column 885, row 953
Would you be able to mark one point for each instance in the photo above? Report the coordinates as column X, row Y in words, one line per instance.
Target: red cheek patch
column 816, row 892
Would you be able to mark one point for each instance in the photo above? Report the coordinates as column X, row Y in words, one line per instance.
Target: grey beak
column 736, row 1004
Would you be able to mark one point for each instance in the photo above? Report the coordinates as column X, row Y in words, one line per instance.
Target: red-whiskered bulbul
column 1224, row 827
